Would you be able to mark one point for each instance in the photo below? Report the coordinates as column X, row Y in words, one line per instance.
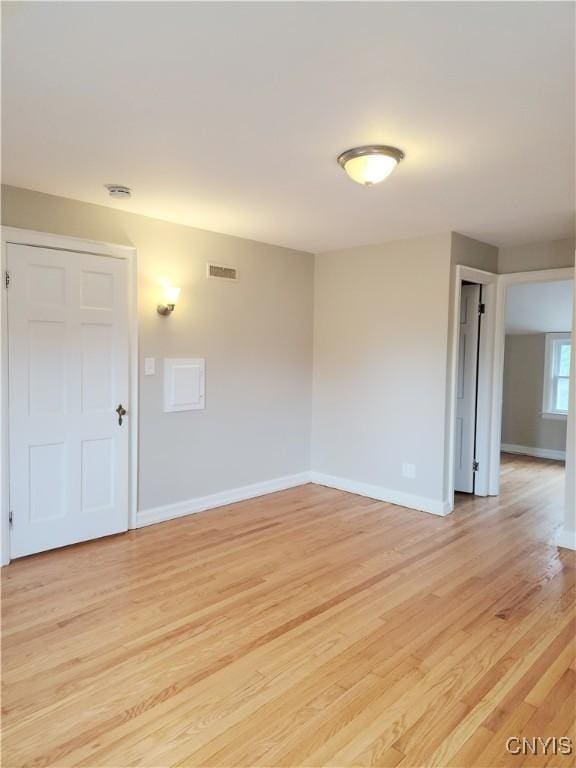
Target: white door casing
column 68, row 346
column 497, row 378
column 465, row 421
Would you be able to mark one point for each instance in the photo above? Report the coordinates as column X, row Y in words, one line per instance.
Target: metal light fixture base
column 165, row 309
column 370, row 149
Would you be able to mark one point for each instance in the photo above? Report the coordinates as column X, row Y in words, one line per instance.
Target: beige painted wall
column 522, row 420
column 256, row 336
column 552, row 254
column 380, row 363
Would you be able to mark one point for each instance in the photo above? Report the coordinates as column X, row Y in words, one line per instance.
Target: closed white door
column 68, row 373
column 465, row 437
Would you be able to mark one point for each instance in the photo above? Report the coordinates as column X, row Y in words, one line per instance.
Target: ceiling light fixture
column 118, row 190
column 371, row 164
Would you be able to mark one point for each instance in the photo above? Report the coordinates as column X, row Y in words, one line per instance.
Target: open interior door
column 467, row 388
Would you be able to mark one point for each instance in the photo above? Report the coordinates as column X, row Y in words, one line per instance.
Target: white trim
column 504, row 282
column 380, row 493
column 485, row 424
column 63, row 243
column 549, row 392
column 566, row 538
column 558, row 416
column 536, row 276
column 203, row 503
column 59, row 242
column 134, row 387
column 570, row 491
column 539, row 453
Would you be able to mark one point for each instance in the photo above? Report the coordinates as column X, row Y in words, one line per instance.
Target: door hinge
column 475, row 466
column 481, row 308
column 7, row 278
column 11, row 517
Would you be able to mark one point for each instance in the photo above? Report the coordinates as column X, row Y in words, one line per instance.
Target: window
column 557, row 374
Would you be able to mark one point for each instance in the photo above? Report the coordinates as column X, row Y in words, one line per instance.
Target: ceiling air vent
column 119, row 190
column 222, row 272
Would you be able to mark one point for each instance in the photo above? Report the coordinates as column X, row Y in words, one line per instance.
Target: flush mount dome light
column 371, row 164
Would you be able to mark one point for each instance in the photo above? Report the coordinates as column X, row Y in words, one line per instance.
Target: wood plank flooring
column 310, row 627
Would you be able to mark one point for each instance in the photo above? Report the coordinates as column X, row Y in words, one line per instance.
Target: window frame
column 551, row 376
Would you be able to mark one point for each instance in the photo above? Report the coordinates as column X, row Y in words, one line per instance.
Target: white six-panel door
column 68, row 372
column 465, row 424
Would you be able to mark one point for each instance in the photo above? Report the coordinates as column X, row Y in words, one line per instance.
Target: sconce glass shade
column 170, row 297
column 371, row 164
column 171, row 293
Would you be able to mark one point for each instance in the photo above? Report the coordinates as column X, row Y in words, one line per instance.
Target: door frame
column 13, row 235
column 504, row 282
column 489, row 283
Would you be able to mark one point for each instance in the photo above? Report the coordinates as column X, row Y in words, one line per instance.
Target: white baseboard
column 420, row 503
column 202, row 503
column 539, row 453
column 566, row 539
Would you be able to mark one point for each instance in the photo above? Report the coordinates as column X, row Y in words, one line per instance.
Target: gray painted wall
column 522, row 420
column 381, row 343
column 473, row 253
column 552, row 254
column 380, row 364
column 256, row 336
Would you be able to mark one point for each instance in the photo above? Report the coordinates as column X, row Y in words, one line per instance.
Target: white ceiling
column 539, row 307
column 229, row 116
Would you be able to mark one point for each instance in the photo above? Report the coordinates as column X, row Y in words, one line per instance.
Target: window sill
column 554, row 416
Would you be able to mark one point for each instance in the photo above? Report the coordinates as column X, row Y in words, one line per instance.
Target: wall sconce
column 171, row 293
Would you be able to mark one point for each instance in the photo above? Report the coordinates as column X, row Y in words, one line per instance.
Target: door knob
column 121, row 411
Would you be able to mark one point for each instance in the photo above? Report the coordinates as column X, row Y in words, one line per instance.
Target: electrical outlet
column 149, row 366
column 408, row 470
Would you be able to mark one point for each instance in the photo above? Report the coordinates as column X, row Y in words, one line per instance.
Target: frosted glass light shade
column 171, row 293
column 371, row 164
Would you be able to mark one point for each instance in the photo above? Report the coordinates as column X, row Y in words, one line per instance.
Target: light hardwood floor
column 307, row 628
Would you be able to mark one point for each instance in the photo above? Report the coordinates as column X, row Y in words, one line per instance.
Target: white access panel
column 183, row 384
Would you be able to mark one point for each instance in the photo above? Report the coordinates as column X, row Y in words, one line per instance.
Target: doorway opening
column 469, row 453
column 496, row 451
column 535, row 384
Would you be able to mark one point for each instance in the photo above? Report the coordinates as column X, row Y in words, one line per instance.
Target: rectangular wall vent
column 222, row 272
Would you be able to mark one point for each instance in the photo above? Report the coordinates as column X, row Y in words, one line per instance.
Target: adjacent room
column 537, row 369
column 288, row 446
column 536, row 384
